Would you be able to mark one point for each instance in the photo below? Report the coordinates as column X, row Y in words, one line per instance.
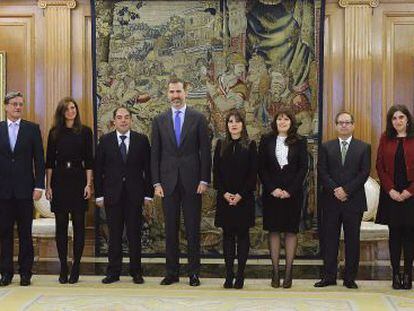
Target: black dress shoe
column 169, row 279
column 350, row 284
column 6, row 279
column 138, row 279
column 324, row 283
column 396, row 281
column 25, row 280
column 194, row 280
column 239, row 283
column 110, row 279
column 407, row 281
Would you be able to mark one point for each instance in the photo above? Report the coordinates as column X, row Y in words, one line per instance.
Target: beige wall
column 388, row 28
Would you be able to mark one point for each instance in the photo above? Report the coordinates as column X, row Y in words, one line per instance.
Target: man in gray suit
column 180, row 168
column 344, row 165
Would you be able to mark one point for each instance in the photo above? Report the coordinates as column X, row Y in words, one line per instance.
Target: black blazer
column 191, row 161
column 351, row 176
column 111, row 171
column 270, row 171
column 24, row 169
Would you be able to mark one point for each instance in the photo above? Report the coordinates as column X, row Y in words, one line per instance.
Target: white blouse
column 281, row 151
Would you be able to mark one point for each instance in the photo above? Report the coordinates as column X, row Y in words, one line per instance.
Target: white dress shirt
column 348, row 140
column 281, row 151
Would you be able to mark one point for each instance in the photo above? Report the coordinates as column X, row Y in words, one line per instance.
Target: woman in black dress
column 69, row 160
column 395, row 169
column 283, row 163
column 235, row 175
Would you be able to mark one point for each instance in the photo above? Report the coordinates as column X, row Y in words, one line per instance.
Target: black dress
column 282, row 215
column 391, row 212
column 235, row 171
column 69, row 155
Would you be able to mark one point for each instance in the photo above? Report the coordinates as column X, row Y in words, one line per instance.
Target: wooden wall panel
column 392, row 62
column 333, row 99
column 16, row 38
column 398, row 58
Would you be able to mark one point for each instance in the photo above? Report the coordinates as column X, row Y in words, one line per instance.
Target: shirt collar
column 127, row 134
column 348, row 140
column 10, row 122
column 182, row 109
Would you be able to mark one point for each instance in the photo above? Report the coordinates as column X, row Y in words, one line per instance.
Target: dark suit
column 351, row 176
column 179, row 170
column 21, row 171
column 123, row 185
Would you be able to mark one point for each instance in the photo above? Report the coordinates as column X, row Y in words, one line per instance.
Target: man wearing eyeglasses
column 343, row 167
column 22, row 178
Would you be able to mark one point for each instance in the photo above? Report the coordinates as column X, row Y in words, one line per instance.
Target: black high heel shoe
column 407, row 281
column 275, row 279
column 287, row 281
column 74, row 274
column 63, row 275
column 239, row 283
column 396, row 281
column 228, row 283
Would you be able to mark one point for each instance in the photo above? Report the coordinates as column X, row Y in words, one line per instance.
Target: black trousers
column 401, row 238
column 128, row 214
column 333, row 218
column 21, row 212
column 78, row 224
column 233, row 241
column 191, row 206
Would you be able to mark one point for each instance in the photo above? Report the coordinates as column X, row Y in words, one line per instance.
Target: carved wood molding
column 346, row 3
column 43, row 4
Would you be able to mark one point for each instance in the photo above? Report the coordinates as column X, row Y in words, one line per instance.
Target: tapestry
column 253, row 55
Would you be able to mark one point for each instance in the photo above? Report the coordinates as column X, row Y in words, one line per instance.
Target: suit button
column 13, row 160
column 123, row 178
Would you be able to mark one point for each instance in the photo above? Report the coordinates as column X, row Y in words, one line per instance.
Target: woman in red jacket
column 395, row 167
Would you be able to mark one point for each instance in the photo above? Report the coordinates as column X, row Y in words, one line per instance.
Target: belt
column 69, row 164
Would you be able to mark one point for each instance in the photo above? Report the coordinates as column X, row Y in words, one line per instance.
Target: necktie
column 13, row 135
column 344, row 150
column 122, row 148
column 177, row 127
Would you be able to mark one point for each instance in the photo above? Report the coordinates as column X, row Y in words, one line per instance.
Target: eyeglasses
column 16, row 104
column 346, row 123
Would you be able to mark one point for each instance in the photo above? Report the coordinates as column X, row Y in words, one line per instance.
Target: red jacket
column 385, row 161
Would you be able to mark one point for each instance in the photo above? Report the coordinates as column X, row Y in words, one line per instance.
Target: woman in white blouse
column 283, row 163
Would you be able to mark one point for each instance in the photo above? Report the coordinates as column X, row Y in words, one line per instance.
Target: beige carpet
column 90, row 294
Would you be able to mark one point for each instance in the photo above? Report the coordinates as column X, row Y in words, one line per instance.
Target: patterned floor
column 89, row 294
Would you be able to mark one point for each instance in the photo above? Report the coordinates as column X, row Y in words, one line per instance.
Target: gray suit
column 179, row 170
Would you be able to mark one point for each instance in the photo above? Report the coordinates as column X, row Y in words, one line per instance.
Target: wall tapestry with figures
column 253, row 55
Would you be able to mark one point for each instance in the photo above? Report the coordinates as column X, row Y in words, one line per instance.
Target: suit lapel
column 170, row 126
column 350, row 151
column 20, row 135
column 4, row 135
column 132, row 145
column 272, row 150
column 337, row 152
column 188, row 121
column 115, row 146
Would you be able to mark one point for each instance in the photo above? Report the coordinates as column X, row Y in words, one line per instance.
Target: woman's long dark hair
column 244, row 137
column 59, row 121
column 292, row 135
column 390, row 130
